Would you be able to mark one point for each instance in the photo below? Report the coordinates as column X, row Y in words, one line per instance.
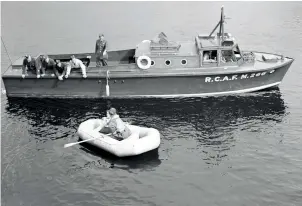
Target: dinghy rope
column 107, row 84
column 11, row 63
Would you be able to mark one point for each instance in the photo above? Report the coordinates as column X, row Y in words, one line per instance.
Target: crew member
column 61, row 69
column 49, row 63
column 33, row 64
column 101, row 51
column 28, row 65
column 76, row 63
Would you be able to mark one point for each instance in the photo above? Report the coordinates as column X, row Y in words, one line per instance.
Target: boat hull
column 196, row 83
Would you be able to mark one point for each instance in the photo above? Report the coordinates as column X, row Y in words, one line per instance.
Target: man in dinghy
column 117, row 127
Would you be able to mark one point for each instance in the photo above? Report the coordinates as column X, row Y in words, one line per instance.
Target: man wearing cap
column 60, row 69
column 101, row 51
column 28, row 64
column 76, row 63
column 33, row 64
column 49, row 63
column 118, row 128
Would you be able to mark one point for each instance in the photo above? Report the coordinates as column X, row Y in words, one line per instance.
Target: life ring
column 139, row 62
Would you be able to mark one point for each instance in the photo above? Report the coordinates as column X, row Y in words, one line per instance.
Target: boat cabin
column 214, row 53
column 205, row 51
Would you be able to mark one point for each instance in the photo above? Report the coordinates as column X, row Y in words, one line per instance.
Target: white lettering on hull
column 236, row 77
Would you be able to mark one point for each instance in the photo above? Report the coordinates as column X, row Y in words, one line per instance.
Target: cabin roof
column 209, row 43
column 187, row 48
column 206, row 41
column 213, row 41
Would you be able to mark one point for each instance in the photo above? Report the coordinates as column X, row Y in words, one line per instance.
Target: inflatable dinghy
column 141, row 140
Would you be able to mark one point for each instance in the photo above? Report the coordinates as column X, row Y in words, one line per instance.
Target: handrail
column 248, row 56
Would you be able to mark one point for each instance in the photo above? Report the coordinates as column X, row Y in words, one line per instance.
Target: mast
column 220, row 34
column 221, row 28
column 222, row 23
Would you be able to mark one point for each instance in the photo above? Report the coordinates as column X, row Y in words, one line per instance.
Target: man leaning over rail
column 76, row 63
column 30, row 63
column 49, row 63
column 60, row 69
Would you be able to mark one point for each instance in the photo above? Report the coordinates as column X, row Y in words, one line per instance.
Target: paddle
column 75, row 143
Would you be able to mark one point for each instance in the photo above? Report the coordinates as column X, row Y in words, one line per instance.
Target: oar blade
column 68, row 145
column 74, row 143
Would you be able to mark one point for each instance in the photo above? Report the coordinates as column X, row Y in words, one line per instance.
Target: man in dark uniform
column 28, row 65
column 60, row 69
column 49, row 63
column 100, row 51
column 33, row 64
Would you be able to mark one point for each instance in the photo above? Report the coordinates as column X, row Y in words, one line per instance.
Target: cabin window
column 184, row 62
column 168, row 62
column 152, row 63
column 237, row 53
column 210, row 56
column 227, row 43
column 227, row 56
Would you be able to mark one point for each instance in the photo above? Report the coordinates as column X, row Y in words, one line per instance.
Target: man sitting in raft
column 117, row 127
column 76, row 63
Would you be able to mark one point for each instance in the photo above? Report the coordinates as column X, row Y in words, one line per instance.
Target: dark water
column 236, row 150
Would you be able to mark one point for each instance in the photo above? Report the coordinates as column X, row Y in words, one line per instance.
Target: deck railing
column 248, row 57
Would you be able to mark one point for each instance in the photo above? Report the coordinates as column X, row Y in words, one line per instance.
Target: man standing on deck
column 33, row 64
column 100, row 51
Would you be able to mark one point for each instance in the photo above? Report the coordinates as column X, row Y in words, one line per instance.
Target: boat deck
column 125, row 69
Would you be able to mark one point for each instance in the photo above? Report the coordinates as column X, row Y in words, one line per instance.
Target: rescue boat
column 141, row 140
column 209, row 65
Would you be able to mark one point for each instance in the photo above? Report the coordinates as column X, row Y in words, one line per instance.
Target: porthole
column 184, row 62
column 152, row 63
column 168, row 62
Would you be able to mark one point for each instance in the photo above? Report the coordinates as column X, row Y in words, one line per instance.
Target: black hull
column 165, row 86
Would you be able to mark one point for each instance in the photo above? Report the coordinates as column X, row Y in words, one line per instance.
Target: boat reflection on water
column 201, row 113
column 204, row 120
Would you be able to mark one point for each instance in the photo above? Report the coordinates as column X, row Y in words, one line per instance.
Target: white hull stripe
column 150, row 96
column 205, row 94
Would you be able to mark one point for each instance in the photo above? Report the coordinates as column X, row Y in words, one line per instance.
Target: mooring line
column 6, row 51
